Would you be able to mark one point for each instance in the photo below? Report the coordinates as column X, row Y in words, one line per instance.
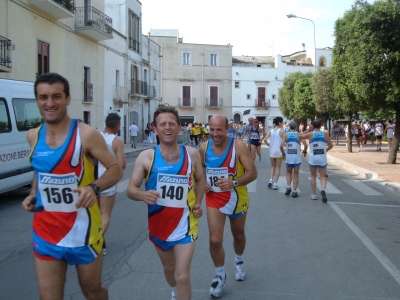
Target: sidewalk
column 368, row 162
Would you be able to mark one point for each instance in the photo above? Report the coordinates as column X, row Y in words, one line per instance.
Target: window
column 237, row 84
column 273, row 97
column 248, row 97
column 213, row 59
column 86, row 117
column 27, row 114
column 186, row 59
column 213, row 96
column 87, row 85
column 134, row 31
column 43, row 58
column 322, row 61
column 5, row 124
column 186, row 95
column 155, row 75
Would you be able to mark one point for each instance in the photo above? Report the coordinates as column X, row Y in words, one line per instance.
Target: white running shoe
column 240, row 272
column 275, row 187
column 173, row 295
column 313, row 197
column 217, row 286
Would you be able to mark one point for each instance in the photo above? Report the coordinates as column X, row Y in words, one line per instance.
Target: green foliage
column 303, row 99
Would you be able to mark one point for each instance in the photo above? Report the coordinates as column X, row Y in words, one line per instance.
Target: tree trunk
column 395, row 142
column 349, row 136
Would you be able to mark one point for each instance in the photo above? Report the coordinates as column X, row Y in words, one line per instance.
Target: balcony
column 189, row 103
column 214, row 103
column 5, row 55
column 139, row 88
column 87, row 92
column 93, row 23
column 134, row 45
column 262, row 103
column 59, row 9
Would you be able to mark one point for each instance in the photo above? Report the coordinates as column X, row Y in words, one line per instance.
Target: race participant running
column 248, row 131
column 378, row 134
column 240, row 130
column 174, row 182
column 293, row 157
column 320, row 143
column 116, row 147
column 229, row 167
column 67, row 225
column 276, row 151
column 256, row 136
column 389, row 131
column 336, row 132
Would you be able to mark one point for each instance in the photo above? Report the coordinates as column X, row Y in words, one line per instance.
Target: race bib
column 56, row 192
column 212, row 176
column 173, row 190
column 254, row 135
column 318, row 149
column 291, row 151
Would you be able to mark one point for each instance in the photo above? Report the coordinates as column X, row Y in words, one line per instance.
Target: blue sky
column 253, row 27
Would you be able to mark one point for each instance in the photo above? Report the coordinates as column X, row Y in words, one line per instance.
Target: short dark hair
column 112, row 120
column 52, row 78
column 293, row 125
column 278, row 120
column 316, row 123
column 166, row 109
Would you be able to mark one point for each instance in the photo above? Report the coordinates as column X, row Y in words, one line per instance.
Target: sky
column 252, row 27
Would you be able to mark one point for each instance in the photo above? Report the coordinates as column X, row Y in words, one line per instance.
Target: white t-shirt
column 133, row 130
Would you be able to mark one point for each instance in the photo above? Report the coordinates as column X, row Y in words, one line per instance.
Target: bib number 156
column 59, row 195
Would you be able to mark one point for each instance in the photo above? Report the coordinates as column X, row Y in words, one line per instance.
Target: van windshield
column 27, row 114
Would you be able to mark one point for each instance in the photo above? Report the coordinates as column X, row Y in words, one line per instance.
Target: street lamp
column 315, row 47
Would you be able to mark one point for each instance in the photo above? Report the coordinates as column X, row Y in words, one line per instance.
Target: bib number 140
column 173, row 192
column 59, row 195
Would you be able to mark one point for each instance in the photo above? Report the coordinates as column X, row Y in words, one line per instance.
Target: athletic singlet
column 58, row 171
column 232, row 133
column 248, row 129
column 389, row 131
column 109, row 138
column 379, row 129
column 336, row 129
column 171, row 218
column 254, row 133
column 318, row 149
column 293, row 148
column 228, row 166
column 275, row 143
column 240, row 129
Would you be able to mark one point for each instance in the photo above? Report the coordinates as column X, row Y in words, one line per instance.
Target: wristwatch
column 95, row 188
column 235, row 183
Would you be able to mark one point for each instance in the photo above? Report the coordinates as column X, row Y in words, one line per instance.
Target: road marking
column 282, row 185
column 366, row 204
column 330, row 188
column 122, row 186
column 362, row 187
column 392, row 269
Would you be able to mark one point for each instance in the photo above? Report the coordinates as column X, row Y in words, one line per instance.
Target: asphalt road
column 296, row 248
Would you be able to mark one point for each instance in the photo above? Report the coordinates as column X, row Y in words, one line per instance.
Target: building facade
column 256, row 81
column 196, row 78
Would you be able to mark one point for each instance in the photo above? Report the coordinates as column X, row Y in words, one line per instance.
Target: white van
column 18, row 114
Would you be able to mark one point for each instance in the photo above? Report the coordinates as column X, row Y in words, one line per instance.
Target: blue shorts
column 318, row 166
column 166, row 245
column 239, row 214
column 293, row 165
column 73, row 255
column 240, row 133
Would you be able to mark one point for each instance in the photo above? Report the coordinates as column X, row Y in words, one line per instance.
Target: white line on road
column 368, row 243
column 362, row 187
column 365, row 204
column 122, row 186
column 330, row 188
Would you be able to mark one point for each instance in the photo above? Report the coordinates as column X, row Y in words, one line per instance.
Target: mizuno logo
column 56, row 180
column 173, row 179
column 216, row 172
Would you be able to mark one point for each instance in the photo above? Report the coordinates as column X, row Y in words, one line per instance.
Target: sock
column 271, row 180
column 173, row 291
column 220, row 271
column 288, row 186
column 238, row 259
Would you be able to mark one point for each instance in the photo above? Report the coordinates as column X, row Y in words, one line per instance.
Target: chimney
column 304, row 47
column 180, row 40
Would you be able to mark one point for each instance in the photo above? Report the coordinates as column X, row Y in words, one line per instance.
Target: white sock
column 173, row 291
column 288, row 186
column 238, row 259
column 271, row 180
column 220, row 271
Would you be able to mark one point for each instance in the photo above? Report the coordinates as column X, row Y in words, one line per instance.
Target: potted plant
column 88, row 22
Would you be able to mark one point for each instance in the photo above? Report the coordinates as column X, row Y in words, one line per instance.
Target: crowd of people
column 77, row 168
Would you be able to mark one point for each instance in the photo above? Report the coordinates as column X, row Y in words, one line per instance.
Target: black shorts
column 378, row 137
column 255, row 142
column 358, row 135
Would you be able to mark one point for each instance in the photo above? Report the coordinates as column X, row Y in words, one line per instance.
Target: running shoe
column 294, row 194
column 323, row 194
column 288, row 191
column 217, row 286
column 275, row 187
column 240, row 272
column 270, row 183
column 313, row 197
column 173, row 296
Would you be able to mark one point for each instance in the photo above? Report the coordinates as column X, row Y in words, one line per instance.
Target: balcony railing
column 93, row 23
column 5, row 54
column 87, row 92
column 134, row 45
column 187, row 102
column 59, row 9
column 139, row 87
column 214, row 102
column 262, row 102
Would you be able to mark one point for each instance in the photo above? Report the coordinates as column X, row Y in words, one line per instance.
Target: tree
column 366, row 58
column 303, row 98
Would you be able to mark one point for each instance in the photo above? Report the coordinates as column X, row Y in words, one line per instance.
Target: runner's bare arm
column 139, row 173
column 118, row 147
column 202, row 151
column 246, row 159
column 265, row 139
column 199, row 181
column 27, row 203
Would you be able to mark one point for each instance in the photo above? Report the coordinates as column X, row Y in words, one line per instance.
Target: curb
column 367, row 174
